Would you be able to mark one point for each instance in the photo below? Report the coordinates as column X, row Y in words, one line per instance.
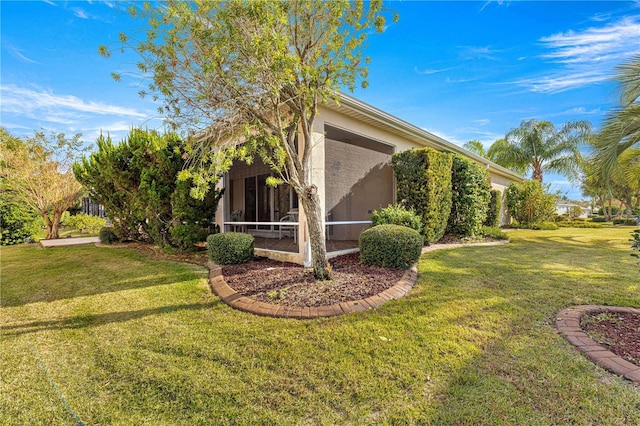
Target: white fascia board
column 415, row 133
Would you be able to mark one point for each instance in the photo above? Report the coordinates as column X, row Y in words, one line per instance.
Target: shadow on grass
column 32, row 275
column 92, row 320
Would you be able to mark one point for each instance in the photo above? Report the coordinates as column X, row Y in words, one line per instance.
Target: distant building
column 564, row 208
column 92, row 208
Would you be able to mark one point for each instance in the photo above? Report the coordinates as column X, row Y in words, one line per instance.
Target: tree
column 37, row 172
column 136, row 181
column 246, row 78
column 618, row 143
column 528, row 203
column 476, row 147
column 537, row 146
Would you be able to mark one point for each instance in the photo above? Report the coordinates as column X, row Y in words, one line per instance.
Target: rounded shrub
column 396, row 215
column 390, row 246
column 107, row 236
column 230, row 248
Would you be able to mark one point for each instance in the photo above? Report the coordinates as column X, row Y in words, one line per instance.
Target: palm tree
column 476, row 147
column 618, row 144
column 537, row 146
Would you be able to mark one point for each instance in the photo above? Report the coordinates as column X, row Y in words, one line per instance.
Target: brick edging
column 235, row 300
column 568, row 324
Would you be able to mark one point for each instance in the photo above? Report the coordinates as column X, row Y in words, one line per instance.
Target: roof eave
column 416, row 133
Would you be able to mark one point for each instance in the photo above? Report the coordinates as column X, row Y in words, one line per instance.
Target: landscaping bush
column 390, row 246
column 574, row 212
column 625, row 222
column 493, row 210
column 107, row 236
column 230, row 248
column 543, row 226
column 470, row 197
column 598, row 219
column 579, row 224
column 18, row 223
column 396, row 215
column 613, row 210
column 528, row 203
column 494, row 232
column 185, row 235
column 137, row 183
column 85, row 223
column 423, row 179
column 561, row 218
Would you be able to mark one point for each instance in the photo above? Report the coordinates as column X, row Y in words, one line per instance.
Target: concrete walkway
column 64, row 242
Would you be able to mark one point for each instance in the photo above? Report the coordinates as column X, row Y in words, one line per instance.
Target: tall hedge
column 493, row 212
column 423, row 179
column 469, row 197
column 136, row 181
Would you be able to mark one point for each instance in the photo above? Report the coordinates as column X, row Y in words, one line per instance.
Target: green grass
column 127, row 340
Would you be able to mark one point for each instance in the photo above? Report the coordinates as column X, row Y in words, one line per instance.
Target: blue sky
column 462, row 70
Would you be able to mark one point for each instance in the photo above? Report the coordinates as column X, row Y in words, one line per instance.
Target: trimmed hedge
column 423, row 179
column 107, row 236
column 578, row 224
column 494, row 232
column 625, row 222
column 390, row 246
column 493, row 211
column 230, row 248
column 470, row 196
column 396, row 215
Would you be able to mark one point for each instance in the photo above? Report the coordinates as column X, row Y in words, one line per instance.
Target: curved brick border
column 399, row 289
column 568, row 324
column 232, row 298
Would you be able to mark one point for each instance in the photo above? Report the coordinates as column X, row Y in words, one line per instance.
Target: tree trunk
column 55, row 225
column 311, row 204
column 48, row 223
column 537, row 174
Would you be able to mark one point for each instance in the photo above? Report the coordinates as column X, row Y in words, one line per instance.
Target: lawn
column 107, row 336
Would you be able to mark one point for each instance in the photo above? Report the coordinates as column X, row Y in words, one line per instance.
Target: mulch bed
column 618, row 332
column 287, row 284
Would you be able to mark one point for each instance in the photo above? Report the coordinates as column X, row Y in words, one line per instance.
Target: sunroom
column 354, row 178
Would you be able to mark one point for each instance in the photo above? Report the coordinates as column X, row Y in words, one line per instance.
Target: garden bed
column 288, row 284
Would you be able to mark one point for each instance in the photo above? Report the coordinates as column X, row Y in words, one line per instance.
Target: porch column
column 317, row 178
column 222, row 204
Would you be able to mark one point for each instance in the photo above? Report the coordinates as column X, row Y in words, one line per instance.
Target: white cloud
column 482, row 121
column 32, row 103
column 430, row 71
column 587, row 56
column 80, row 13
column 459, row 80
column 18, row 54
column 614, row 42
column 479, row 52
column 562, row 82
column 445, row 136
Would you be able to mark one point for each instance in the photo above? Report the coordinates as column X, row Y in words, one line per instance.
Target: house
column 565, row 208
column 351, row 167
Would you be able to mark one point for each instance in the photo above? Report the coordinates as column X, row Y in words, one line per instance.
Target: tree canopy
column 537, row 146
column 37, row 172
column 245, row 78
column 618, row 143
